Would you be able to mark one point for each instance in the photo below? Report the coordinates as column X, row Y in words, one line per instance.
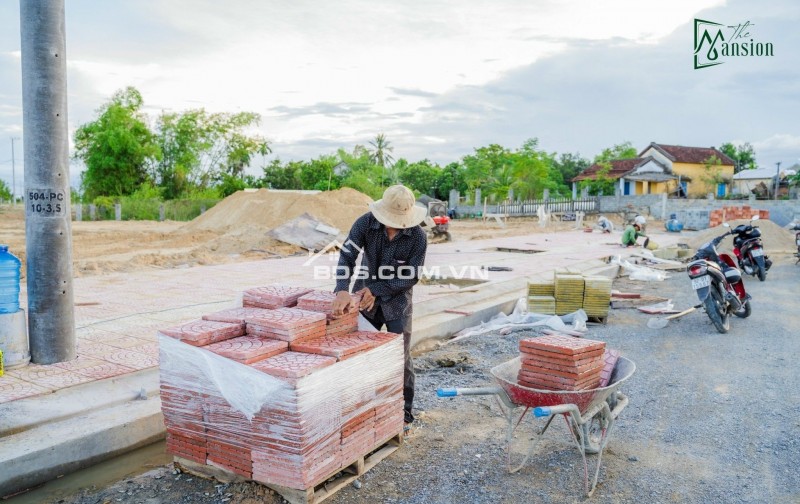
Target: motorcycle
column 749, row 250
column 718, row 284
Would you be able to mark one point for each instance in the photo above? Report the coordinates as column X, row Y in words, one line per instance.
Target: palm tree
column 380, row 153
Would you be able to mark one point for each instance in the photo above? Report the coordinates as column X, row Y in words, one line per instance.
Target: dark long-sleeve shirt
column 389, row 268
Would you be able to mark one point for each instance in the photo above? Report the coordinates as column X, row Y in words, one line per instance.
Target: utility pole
column 777, row 178
column 13, row 175
column 48, row 234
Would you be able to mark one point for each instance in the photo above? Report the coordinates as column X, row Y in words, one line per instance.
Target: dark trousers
column 400, row 326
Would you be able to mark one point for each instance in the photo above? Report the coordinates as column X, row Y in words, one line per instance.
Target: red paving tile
column 273, row 296
column 94, row 368
column 288, row 320
column 13, row 388
column 50, row 377
column 293, row 364
column 335, row 346
column 561, row 344
column 203, row 332
column 234, row 315
column 610, row 359
column 248, row 349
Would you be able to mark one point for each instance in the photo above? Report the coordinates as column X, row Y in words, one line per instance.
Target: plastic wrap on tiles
column 291, row 432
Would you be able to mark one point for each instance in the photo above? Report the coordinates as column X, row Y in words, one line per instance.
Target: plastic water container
column 9, row 281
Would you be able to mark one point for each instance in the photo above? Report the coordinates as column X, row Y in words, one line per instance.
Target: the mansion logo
column 714, row 42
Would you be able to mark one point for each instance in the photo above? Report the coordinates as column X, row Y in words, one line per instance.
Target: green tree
column 318, row 174
column 422, row 177
column 569, row 166
column 116, row 147
column 625, row 150
column 197, row 147
column 489, row 168
column 451, row 177
column 380, row 155
column 743, row 155
column 5, row 192
column 279, row 176
column 533, row 171
column 601, row 183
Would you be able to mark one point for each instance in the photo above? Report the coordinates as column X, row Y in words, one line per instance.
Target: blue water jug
column 9, row 281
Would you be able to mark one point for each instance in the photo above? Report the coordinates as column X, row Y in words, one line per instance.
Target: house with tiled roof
column 641, row 175
column 689, row 165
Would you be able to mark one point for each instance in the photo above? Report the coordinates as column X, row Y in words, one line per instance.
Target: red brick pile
column 725, row 214
column 560, row 362
column 278, row 400
column 273, row 296
column 323, row 302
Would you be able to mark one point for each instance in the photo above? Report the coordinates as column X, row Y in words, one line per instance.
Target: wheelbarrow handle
column 452, row 392
column 498, row 391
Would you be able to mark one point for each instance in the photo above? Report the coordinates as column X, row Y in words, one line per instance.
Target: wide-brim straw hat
column 398, row 209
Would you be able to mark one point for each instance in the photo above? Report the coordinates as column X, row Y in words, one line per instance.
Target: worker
column 631, row 233
column 642, row 222
column 394, row 247
column 606, row 226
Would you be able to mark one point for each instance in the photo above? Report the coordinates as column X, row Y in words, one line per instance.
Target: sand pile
column 265, row 209
column 774, row 237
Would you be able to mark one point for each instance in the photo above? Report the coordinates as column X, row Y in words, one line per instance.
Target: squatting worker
column 631, row 234
column 394, row 246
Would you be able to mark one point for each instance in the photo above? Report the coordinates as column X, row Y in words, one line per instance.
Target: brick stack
column 273, row 296
column 273, row 398
column 287, row 324
column 724, row 214
column 320, row 301
column 560, row 362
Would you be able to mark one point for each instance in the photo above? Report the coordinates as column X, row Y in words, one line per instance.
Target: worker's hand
column 343, row 303
column 367, row 299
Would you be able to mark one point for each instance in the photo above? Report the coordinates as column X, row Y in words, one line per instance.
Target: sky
column 438, row 79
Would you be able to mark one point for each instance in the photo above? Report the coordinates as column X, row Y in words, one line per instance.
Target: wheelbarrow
column 589, row 414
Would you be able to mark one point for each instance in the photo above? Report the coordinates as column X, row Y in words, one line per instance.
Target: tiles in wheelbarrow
column 560, row 362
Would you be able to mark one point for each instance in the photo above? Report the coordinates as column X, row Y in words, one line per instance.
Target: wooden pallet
column 312, row 495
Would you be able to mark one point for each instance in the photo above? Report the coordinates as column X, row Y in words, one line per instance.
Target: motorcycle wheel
column 762, row 273
column 717, row 310
column 744, row 311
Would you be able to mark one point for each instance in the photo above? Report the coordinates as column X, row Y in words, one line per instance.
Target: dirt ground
column 101, row 247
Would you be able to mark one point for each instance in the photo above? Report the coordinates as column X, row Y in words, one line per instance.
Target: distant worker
column 394, row 246
column 639, row 219
column 606, row 226
column 631, row 234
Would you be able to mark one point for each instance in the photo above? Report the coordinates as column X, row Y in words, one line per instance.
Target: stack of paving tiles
column 561, row 362
column 541, row 297
column 321, row 301
column 568, row 293
column 596, row 296
column 270, row 396
column 273, row 296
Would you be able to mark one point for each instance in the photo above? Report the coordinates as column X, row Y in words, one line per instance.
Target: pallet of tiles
column 568, row 293
column 561, row 362
column 287, row 414
column 542, row 304
column 597, row 296
column 541, row 288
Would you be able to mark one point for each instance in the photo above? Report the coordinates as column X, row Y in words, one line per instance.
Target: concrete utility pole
column 13, row 174
column 777, row 178
column 51, row 319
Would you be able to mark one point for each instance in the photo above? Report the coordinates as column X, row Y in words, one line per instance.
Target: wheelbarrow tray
column 506, row 376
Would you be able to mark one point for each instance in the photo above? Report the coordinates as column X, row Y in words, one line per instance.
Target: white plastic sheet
column 637, row 272
column 521, row 318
